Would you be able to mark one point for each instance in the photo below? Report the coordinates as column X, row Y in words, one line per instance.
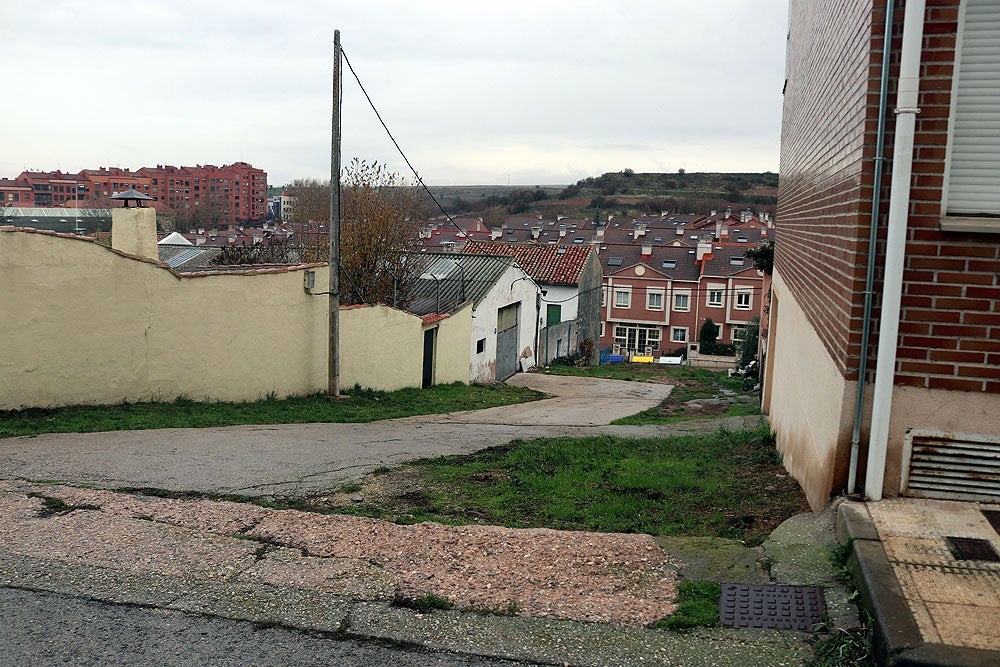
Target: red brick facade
column 203, row 195
column 949, row 334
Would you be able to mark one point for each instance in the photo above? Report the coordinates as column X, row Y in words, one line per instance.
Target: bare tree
column 380, row 220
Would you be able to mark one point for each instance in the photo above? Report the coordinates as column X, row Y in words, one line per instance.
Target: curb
column 898, row 641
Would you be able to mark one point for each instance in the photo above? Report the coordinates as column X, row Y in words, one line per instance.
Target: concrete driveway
column 304, row 459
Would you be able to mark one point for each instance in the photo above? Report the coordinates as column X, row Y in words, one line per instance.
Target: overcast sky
column 525, row 92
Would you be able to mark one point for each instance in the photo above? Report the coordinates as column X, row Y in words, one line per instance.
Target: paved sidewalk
column 930, row 607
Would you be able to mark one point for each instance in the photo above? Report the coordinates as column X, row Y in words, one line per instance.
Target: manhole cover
column 781, row 607
column 993, row 516
column 972, row 548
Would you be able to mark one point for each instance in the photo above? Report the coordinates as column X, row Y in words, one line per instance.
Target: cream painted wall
column 452, row 351
column 383, row 347
column 810, row 402
column 83, row 324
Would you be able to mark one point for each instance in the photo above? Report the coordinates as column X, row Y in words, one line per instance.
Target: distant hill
column 619, row 193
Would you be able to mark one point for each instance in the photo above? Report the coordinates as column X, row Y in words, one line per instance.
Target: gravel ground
column 611, row 578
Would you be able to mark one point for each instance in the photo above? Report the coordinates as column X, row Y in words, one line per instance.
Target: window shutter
column 974, row 166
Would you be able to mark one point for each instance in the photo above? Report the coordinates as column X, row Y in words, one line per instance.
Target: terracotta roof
column 558, row 265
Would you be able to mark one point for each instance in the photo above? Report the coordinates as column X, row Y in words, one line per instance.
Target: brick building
column 203, row 195
column 931, row 368
column 658, row 297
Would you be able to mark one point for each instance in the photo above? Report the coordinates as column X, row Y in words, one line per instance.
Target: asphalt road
column 49, row 629
column 303, row 459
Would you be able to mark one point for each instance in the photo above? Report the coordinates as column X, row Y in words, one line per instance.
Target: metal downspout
column 895, row 254
column 883, row 107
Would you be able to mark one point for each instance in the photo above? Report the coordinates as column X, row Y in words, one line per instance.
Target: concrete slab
column 554, row 642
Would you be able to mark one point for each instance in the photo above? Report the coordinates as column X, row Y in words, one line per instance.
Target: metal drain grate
column 993, row 516
column 781, row 607
column 972, row 548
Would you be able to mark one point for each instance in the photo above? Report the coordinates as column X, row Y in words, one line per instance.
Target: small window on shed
column 668, row 264
column 737, row 261
column 614, row 261
column 480, row 346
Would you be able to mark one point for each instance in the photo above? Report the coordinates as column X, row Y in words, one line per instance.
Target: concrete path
column 306, row 459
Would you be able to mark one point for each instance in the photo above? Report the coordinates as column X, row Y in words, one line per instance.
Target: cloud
column 539, row 90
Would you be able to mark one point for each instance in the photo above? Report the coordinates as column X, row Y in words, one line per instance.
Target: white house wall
column 512, row 287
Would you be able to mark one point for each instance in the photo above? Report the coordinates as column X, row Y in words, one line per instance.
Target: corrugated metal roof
column 447, row 280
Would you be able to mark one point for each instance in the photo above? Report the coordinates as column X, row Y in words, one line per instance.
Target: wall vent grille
column 951, row 466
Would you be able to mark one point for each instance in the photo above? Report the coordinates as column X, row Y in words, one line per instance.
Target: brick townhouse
column 657, row 298
column 914, row 408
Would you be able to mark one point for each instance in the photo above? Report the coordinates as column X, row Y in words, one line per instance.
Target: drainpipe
column 883, row 106
column 899, row 205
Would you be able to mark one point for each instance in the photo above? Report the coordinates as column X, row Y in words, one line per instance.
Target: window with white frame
column 654, row 300
column 744, row 300
column 716, row 297
column 682, row 301
column 678, row 335
column 637, row 338
column 971, row 200
column 623, row 297
column 739, row 333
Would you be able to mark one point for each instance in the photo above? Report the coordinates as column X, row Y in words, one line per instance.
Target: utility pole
column 334, row 352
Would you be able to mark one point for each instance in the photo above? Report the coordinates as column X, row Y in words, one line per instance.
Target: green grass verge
column 361, row 405
column 697, row 606
column 727, row 484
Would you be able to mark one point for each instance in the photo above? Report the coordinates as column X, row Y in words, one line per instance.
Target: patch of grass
column 362, row 405
column 350, row 487
column 56, row 507
column 833, row 647
column 424, row 604
column 697, row 606
column 725, row 484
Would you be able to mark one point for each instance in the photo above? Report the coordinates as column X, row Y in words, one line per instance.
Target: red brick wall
column 950, row 326
column 825, row 166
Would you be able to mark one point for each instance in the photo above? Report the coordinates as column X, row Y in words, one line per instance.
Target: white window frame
column 627, row 301
column 961, row 212
column 737, row 328
column 681, row 330
column 744, row 295
column 712, row 291
column 687, row 301
column 650, row 293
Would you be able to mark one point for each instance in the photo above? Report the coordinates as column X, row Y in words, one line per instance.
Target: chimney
column 562, row 232
column 679, row 231
column 724, row 231
column 713, row 212
column 647, row 251
column 600, row 233
column 704, row 250
column 495, row 233
column 558, row 217
column 640, row 230
column 133, row 231
column 535, row 232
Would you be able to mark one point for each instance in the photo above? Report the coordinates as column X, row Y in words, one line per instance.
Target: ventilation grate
column 972, row 548
column 782, row 607
column 952, row 466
